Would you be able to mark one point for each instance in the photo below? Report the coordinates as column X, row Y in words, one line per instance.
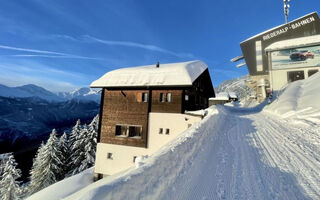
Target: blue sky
column 61, row 45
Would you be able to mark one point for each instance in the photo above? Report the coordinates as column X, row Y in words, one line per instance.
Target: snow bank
column 172, row 74
column 65, row 187
column 152, row 177
column 300, row 101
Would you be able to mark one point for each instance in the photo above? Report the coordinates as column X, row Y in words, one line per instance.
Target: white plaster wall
column 177, row 123
column 122, row 156
column 280, row 77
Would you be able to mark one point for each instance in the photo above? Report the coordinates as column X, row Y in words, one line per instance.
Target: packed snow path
column 236, row 154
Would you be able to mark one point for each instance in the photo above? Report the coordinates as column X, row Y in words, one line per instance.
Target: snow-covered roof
column 220, row 96
column 172, row 74
column 294, row 43
column 274, row 28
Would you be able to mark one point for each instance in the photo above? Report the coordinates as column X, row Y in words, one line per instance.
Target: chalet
column 282, row 54
column 143, row 108
column 223, row 97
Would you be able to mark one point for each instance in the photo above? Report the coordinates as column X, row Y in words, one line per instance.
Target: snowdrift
column 299, row 102
column 65, row 187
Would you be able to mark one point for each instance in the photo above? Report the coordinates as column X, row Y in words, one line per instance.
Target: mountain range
column 30, row 90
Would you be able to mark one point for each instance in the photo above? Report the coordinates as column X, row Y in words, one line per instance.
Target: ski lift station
column 282, row 54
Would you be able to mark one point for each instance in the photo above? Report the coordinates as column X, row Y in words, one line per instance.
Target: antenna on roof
column 286, row 7
column 158, row 64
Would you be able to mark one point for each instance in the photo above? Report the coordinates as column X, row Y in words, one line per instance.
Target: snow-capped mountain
column 83, row 94
column 30, row 90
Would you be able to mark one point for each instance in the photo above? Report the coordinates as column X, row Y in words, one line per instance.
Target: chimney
column 158, row 64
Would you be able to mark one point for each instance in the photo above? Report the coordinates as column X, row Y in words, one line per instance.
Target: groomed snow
column 294, row 43
column 172, row 74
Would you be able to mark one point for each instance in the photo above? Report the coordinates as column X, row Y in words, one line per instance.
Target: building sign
column 296, row 58
column 291, row 26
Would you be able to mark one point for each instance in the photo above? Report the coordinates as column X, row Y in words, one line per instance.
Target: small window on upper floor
column 144, row 97
column 162, row 97
column 167, row 131
column 168, row 97
column 186, row 97
column 109, row 156
column 160, row 130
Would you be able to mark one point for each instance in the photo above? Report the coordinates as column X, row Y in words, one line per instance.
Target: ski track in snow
column 240, row 155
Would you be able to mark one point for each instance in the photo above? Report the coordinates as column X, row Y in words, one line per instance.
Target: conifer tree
column 78, row 150
column 75, row 133
column 9, row 186
column 84, row 148
column 46, row 165
column 63, row 154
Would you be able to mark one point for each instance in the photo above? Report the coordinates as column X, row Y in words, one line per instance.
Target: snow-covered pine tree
column 9, row 186
column 46, row 165
column 63, row 154
column 3, row 159
column 78, row 150
column 95, row 123
column 75, row 133
column 74, row 136
column 90, row 145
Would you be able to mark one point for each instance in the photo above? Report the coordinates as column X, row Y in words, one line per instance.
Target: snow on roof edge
column 170, row 74
column 293, row 43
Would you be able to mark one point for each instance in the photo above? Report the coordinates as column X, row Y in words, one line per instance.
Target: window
column 160, row 130
column 144, row 97
column 109, row 156
column 161, row 97
column 133, row 131
column 121, row 130
column 186, row 97
column 189, row 125
column 295, row 75
column 168, row 97
column 134, row 159
column 312, row 71
column 167, row 131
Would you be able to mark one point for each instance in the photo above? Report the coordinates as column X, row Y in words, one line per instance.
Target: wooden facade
column 131, row 106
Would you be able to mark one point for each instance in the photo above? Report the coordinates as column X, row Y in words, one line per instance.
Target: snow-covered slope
column 232, row 154
column 66, row 187
column 300, row 101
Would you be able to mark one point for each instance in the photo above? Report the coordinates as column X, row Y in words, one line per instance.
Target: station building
column 282, row 54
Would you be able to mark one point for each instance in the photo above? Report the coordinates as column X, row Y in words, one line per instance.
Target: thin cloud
column 139, row 45
column 53, row 56
column 44, row 53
